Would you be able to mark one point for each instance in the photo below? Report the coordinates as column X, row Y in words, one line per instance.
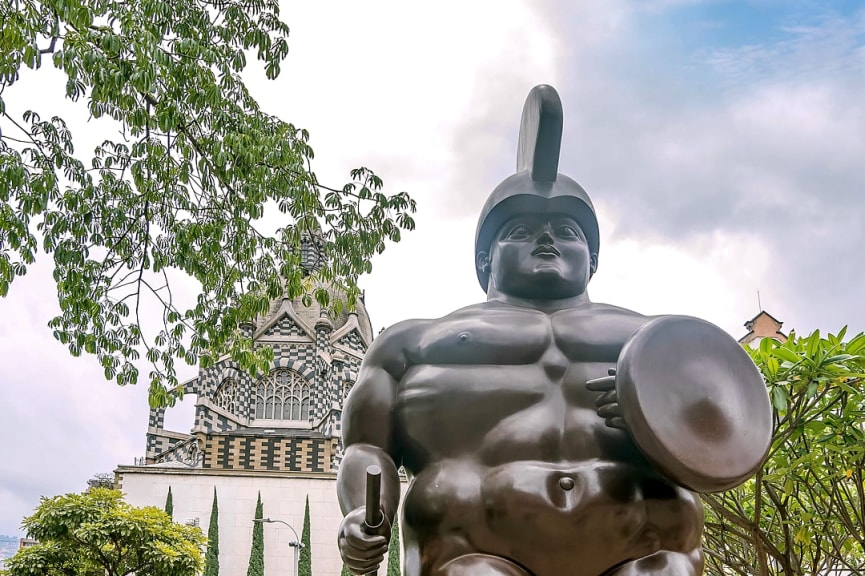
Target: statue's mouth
column 546, row 251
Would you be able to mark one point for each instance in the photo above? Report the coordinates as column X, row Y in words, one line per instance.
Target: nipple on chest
column 554, row 363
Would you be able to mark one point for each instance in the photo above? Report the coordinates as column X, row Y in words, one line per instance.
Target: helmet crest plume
column 541, row 134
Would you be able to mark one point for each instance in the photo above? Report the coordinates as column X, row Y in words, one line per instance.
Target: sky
column 722, row 143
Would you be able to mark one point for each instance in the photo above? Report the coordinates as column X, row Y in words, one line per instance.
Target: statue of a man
column 528, row 454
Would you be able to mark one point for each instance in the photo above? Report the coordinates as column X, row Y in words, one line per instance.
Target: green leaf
column 779, row 398
column 176, row 193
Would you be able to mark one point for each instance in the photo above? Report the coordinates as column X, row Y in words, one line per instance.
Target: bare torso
column 525, row 468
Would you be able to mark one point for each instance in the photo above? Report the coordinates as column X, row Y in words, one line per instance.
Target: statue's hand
column 362, row 551
column 608, row 401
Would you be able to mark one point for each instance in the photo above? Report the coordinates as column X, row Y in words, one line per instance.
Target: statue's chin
column 542, row 288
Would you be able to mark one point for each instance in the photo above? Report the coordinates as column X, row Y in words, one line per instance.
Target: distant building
column 278, row 435
column 763, row 325
column 27, row 543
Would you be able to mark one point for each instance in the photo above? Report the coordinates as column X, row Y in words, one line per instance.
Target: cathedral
column 277, row 437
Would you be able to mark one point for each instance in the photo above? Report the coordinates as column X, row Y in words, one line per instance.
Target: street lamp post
column 296, row 544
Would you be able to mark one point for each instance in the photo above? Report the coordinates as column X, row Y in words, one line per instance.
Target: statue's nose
column 546, row 235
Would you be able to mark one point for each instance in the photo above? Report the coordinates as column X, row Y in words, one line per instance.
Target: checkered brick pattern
column 321, row 391
column 188, row 452
column 226, row 441
column 282, row 453
column 156, row 418
column 158, row 444
column 211, row 421
column 210, row 381
column 342, row 381
column 285, row 326
column 291, row 355
column 353, row 342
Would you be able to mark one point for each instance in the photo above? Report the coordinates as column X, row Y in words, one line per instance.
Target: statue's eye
column 518, row 231
column 567, row 231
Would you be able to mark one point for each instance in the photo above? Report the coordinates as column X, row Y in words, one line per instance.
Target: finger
column 607, row 398
column 617, row 422
column 364, row 567
column 366, row 549
column 361, row 539
column 601, row 384
column 362, row 551
column 610, row 411
column 362, row 571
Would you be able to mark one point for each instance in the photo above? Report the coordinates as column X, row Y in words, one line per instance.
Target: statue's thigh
column 480, row 565
column 663, row 563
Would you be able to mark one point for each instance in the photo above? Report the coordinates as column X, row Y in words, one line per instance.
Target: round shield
column 694, row 402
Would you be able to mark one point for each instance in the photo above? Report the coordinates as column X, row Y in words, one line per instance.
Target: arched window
column 282, row 395
column 226, row 395
column 346, row 388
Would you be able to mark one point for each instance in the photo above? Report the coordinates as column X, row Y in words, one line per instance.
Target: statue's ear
column 593, row 263
column 482, row 261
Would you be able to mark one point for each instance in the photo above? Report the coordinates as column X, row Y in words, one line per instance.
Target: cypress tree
column 211, row 558
column 169, row 504
column 256, row 555
column 304, row 565
column 393, row 568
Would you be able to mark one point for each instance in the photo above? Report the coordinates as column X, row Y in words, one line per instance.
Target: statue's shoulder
column 398, row 336
column 605, row 322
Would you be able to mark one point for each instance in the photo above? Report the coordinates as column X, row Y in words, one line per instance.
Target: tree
column 393, row 550
column 101, row 480
column 256, row 555
column 304, row 564
column 211, row 557
column 169, row 503
column 804, row 512
column 97, row 534
column 178, row 187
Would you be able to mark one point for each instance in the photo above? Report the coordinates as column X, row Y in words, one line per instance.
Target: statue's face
column 542, row 256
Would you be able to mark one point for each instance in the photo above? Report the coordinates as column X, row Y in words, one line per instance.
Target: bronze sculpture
column 545, row 434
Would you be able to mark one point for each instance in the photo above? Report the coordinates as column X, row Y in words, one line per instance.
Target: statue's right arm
column 368, row 438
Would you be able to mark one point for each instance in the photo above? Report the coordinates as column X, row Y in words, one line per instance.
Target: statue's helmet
column 537, row 187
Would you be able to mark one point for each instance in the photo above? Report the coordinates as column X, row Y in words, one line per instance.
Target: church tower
column 288, row 419
column 276, row 436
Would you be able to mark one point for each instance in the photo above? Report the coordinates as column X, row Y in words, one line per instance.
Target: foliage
column 345, row 571
column 97, row 534
column 304, row 563
column 804, row 512
column 211, row 557
column 256, row 554
column 393, row 550
column 178, row 188
column 101, row 480
column 169, row 504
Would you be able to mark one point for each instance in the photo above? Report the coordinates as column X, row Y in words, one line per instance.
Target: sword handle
column 374, row 517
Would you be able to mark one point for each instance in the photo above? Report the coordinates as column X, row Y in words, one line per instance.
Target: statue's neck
column 543, row 305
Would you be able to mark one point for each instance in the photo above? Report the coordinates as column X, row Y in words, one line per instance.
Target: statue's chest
column 504, row 338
